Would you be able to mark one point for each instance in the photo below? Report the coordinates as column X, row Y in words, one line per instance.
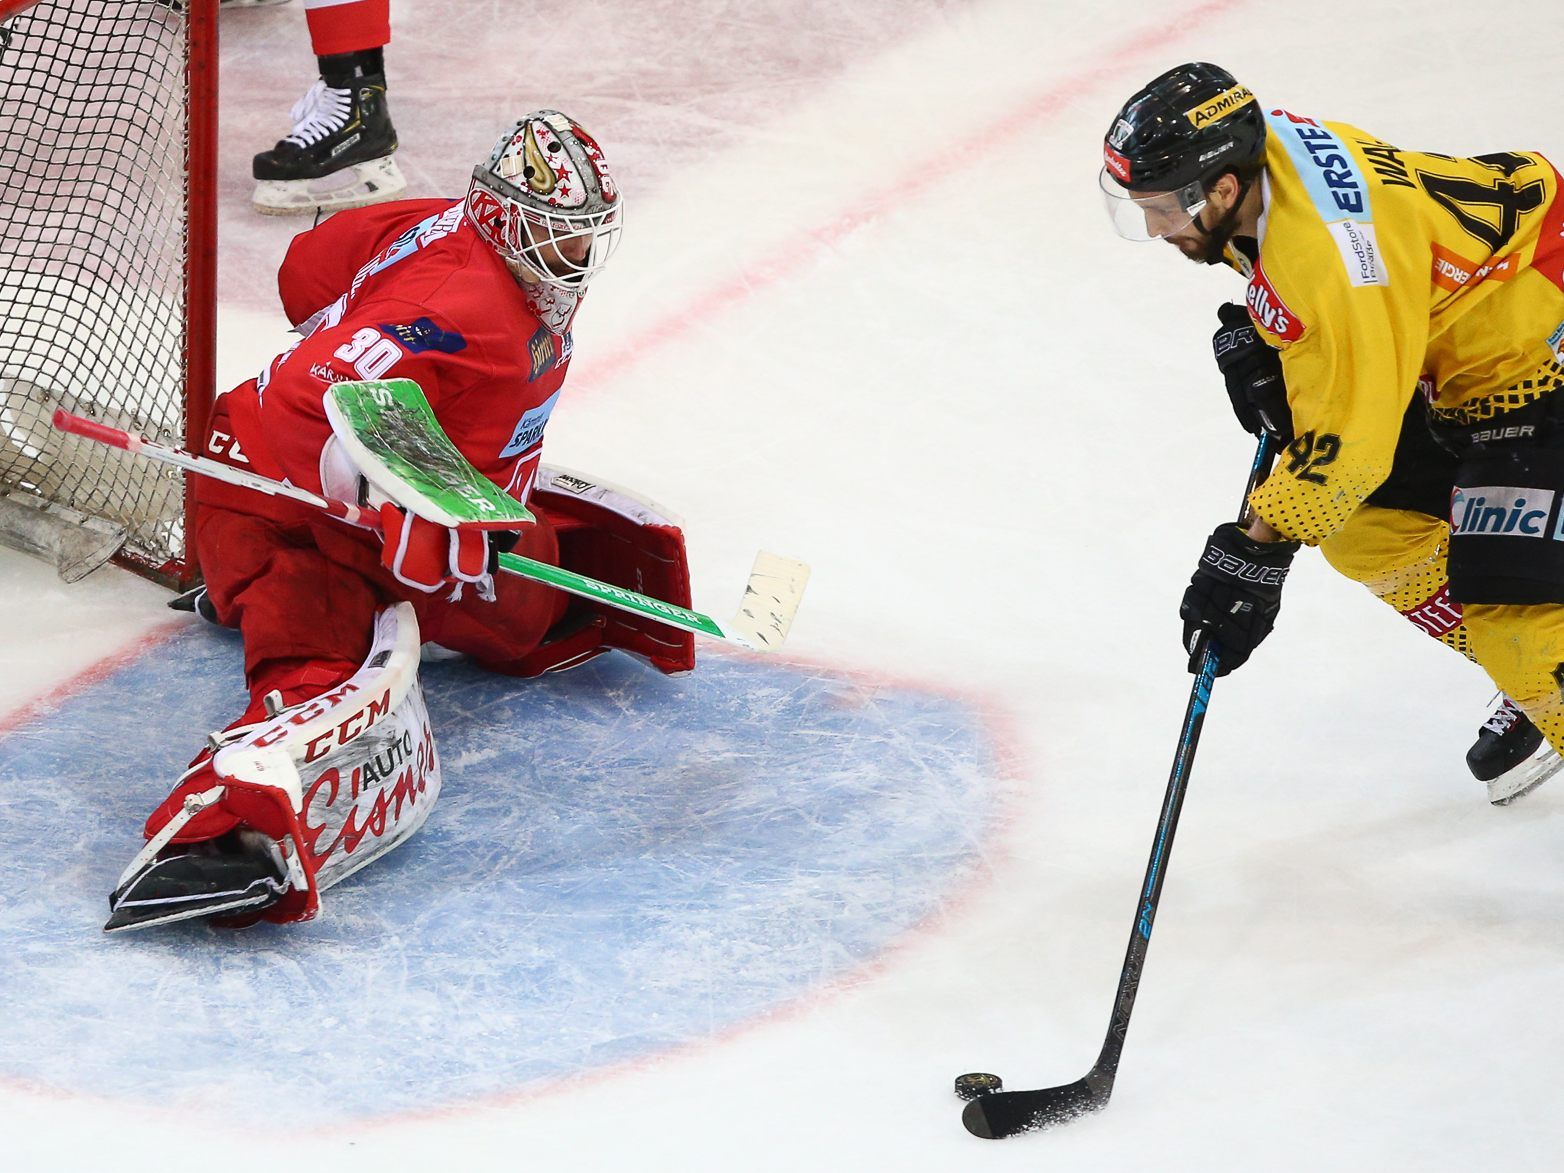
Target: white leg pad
column 356, row 766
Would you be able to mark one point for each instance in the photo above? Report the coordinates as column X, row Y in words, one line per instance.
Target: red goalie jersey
column 434, row 304
column 410, row 290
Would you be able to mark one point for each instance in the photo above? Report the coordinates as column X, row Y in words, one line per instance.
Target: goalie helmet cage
column 108, row 116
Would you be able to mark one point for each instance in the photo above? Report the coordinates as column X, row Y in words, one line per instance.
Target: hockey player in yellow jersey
column 1403, row 341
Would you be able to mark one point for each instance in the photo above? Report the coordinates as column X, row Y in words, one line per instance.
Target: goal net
column 106, row 275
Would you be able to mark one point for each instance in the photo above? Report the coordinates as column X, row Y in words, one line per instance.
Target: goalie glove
column 427, row 557
column 1235, row 595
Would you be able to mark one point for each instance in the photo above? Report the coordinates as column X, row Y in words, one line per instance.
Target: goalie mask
column 544, row 200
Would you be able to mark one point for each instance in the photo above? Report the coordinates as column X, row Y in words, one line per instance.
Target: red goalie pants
column 303, row 588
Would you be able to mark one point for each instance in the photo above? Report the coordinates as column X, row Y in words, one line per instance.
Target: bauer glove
column 1234, row 596
column 427, row 556
column 1253, row 372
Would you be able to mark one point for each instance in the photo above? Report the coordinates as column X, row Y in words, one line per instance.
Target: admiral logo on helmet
column 1120, row 134
column 1220, row 106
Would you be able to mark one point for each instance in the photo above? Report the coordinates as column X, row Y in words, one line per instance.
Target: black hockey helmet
column 1174, row 136
column 1192, row 123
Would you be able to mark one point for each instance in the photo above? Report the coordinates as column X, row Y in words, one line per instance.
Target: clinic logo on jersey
column 1269, row 311
column 1220, row 106
column 421, row 335
column 1502, row 511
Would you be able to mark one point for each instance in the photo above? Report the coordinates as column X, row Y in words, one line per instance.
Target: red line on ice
column 802, row 251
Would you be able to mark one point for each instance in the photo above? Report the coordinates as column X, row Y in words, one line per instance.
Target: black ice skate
column 239, row 872
column 196, row 602
column 1511, row 755
column 338, row 154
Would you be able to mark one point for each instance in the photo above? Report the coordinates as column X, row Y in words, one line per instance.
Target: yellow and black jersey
column 1380, row 269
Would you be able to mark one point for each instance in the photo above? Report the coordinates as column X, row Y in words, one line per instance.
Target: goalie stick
column 771, row 594
column 995, row 1115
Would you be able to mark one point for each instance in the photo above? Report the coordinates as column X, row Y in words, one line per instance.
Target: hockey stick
column 771, row 594
column 998, row 1114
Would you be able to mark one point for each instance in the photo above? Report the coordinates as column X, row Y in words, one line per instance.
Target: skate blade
column 357, row 186
column 128, row 916
column 1526, row 777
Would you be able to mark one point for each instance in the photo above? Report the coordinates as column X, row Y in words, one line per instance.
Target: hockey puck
column 977, row 1083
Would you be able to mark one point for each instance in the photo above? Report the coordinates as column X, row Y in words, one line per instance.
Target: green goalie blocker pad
column 389, row 430
column 607, row 534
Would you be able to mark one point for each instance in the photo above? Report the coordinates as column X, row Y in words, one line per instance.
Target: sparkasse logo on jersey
column 1220, row 106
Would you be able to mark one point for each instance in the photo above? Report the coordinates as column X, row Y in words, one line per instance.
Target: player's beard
column 1209, row 245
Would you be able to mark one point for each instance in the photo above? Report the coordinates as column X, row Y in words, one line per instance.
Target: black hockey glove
column 1235, row 594
column 1253, row 371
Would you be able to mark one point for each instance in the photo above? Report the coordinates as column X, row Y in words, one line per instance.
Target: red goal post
column 108, row 267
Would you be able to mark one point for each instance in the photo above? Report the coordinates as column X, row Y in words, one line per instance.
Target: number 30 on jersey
column 370, row 352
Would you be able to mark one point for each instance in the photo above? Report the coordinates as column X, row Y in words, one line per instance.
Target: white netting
column 92, row 250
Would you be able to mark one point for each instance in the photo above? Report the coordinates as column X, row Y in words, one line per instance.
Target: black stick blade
column 1001, row 1114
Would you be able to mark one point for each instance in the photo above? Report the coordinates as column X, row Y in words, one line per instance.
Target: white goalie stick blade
column 771, row 597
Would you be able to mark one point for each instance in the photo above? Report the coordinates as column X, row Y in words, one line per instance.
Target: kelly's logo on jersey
column 1502, row 511
column 1269, row 311
column 1220, row 106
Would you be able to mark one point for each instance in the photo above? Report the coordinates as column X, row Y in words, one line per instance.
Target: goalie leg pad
column 336, row 781
column 611, row 534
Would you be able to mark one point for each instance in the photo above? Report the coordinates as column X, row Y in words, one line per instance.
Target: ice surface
column 618, row 863
column 869, row 313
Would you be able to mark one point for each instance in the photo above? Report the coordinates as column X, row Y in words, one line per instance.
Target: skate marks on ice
column 619, row 864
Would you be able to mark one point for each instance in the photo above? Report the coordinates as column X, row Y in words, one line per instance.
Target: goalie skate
column 239, row 872
column 1511, row 755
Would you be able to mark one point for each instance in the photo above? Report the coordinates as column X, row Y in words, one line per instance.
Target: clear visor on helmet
column 1150, row 215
